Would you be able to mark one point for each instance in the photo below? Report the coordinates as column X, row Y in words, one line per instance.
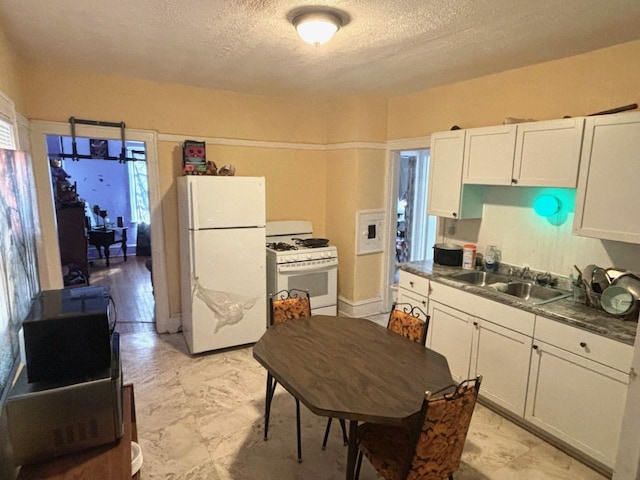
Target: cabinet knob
column 454, row 214
column 535, row 347
column 424, row 304
column 514, row 181
column 583, row 344
column 475, row 324
column 632, row 373
column 411, row 283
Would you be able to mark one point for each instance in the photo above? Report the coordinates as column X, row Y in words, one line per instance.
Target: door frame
column 49, row 268
column 394, row 147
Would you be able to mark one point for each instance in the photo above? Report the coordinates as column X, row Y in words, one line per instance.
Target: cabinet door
column 579, row 401
column 502, row 357
column 607, row 203
column 548, row 153
column 405, row 296
column 445, row 173
column 488, row 155
column 451, row 334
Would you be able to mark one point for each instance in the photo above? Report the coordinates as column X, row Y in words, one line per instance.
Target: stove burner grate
column 281, row 246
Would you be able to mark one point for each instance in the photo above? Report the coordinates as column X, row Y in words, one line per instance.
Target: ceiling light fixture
column 318, row 27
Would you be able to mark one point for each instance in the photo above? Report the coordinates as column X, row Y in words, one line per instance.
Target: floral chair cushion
column 289, row 308
column 407, row 325
column 394, row 453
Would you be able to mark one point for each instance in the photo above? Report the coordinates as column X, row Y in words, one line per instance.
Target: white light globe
column 317, row 28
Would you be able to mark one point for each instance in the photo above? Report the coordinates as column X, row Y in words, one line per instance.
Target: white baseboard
column 361, row 308
column 173, row 324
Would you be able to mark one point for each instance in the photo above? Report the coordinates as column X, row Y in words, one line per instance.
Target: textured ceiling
column 390, row 47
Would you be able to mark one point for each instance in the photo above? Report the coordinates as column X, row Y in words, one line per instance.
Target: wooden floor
column 131, row 290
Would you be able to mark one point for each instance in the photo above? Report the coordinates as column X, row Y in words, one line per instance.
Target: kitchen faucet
column 525, row 273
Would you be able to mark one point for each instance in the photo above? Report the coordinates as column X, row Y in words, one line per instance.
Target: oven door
column 320, row 280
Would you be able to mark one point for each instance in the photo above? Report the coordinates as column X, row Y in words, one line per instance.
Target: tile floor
column 201, row 418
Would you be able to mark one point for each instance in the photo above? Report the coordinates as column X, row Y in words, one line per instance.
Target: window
column 138, row 185
column 6, row 134
column 7, row 122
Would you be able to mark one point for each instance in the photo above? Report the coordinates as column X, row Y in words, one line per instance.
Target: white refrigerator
column 222, row 260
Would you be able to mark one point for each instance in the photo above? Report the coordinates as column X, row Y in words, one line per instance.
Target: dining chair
column 283, row 306
column 409, row 321
column 429, row 448
column 406, row 320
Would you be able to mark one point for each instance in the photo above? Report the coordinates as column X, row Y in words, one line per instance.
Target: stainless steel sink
column 480, row 279
column 528, row 292
column 534, row 294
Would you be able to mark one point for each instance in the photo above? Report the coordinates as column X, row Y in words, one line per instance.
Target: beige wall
column 355, row 182
column 11, row 73
column 574, row 86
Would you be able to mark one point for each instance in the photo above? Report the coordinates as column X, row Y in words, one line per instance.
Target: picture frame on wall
column 99, row 148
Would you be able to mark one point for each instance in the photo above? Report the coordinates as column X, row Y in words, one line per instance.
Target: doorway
column 49, row 265
column 412, row 231
column 110, row 197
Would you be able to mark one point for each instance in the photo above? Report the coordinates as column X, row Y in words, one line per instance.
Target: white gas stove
column 292, row 263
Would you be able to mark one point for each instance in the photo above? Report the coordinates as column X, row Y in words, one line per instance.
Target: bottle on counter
column 469, row 256
column 491, row 258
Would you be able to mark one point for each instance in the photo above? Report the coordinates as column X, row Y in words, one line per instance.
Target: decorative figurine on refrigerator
column 194, row 159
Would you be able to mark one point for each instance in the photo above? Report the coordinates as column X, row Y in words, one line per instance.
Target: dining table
column 351, row 369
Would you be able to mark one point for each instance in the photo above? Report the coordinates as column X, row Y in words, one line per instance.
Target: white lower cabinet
column 451, row 334
column 414, row 290
column 502, row 357
column 482, row 340
column 578, row 388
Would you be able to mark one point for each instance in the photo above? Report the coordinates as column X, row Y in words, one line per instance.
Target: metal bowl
column 631, row 282
column 617, row 300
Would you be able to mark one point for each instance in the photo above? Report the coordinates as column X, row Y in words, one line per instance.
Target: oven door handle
column 307, row 268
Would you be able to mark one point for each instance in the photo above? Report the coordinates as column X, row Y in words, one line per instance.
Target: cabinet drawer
column 504, row 315
column 416, row 300
column 586, row 344
column 414, row 283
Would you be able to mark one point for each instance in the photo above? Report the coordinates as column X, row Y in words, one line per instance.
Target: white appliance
column 222, row 262
column 292, row 265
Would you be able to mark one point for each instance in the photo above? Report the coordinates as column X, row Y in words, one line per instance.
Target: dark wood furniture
column 111, row 461
column 102, row 239
column 351, row 369
column 72, row 238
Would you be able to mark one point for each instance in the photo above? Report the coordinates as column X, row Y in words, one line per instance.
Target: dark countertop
column 563, row 310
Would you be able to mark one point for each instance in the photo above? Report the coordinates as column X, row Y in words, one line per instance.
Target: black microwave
column 67, row 334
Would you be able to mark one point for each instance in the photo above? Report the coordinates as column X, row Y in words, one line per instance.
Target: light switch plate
column 369, row 231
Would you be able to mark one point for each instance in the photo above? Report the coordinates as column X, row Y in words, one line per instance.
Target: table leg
column 353, row 449
column 106, row 253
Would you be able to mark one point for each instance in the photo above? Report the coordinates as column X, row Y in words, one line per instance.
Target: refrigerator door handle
column 192, row 257
column 193, row 200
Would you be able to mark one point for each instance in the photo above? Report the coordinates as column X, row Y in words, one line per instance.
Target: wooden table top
column 351, row 368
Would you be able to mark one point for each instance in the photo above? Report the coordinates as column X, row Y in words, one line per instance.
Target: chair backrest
column 289, row 304
column 441, row 431
column 409, row 321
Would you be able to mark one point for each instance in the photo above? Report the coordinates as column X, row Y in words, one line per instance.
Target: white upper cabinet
column 447, row 198
column 533, row 154
column 548, row 153
column 488, row 155
column 607, row 203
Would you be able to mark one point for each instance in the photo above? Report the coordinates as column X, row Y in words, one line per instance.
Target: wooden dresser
column 108, row 462
column 72, row 237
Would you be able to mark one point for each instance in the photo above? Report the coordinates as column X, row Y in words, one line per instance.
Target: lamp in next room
column 317, row 27
column 547, row 205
